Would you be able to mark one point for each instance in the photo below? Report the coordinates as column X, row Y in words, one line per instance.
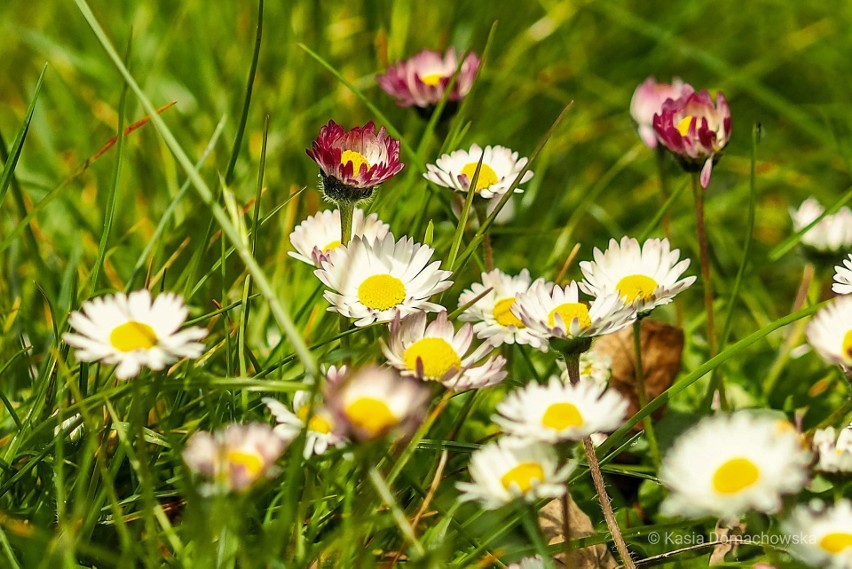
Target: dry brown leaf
column 592, row 557
column 729, row 536
column 662, row 347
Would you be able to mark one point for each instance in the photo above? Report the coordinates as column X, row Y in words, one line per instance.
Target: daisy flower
column 236, row 458
column 436, row 352
column 645, row 276
column 556, row 312
column 492, row 314
column 354, row 162
column 511, row 469
column 560, row 412
column 375, row 281
column 648, row 99
column 320, row 426
column 423, row 79
column 834, row 450
column 730, row 464
column 822, row 536
column 374, row 401
column 132, row 332
column 830, row 332
column 319, row 234
column 843, row 277
column 831, row 234
column 528, row 563
column 594, row 367
column 500, row 167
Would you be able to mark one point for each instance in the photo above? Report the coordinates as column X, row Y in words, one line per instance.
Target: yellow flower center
column 356, row 158
column 131, row 336
column 436, row 355
column 569, row 311
column 847, row 343
column 635, row 287
column 380, row 292
column 252, row 462
column 487, row 176
column 683, row 125
column 331, row 246
column 316, row 424
column 503, row 313
column 522, row 476
column 560, row 416
column 371, row 415
column 836, row 542
column 433, row 79
column 735, row 476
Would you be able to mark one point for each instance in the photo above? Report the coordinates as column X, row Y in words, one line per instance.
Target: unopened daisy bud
column 234, row 459
column 645, row 276
column 695, row 129
column 843, row 277
column 376, row 281
column 822, row 536
column 436, row 352
column 514, row 469
column 831, row 234
column 373, row 402
column 132, row 332
column 319, row 234
column 728, row 465
column 500, row 167
column 560, row 412
column 648, row 99
column 354, row 162
column 830, row 332
column 833, row 449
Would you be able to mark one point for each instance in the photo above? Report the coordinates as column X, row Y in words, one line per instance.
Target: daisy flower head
column 375, row 281
column 727, row 465
column 134, row 331
column 557, row 312
column 648, row 99
column 822, row 536
column 833, row 449
column 557, row 411
column 831, row 234
column 354, row 162
column 436, row 352
column 643, row 275
column 595, row 368
column 318, row 421
column 843, row 277
column 423, row 79
column 375, row 401
column 492, row 314
column 513, row 469
column 500, row 167
column 235, row 458
column 695, row 129
column 830, row 332
column 319, row 234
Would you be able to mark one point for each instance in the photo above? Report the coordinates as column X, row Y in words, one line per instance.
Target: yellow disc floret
column 561, row 416
column 371, row 415
column 684, row 124
column 433, row 79
column 836, row 542
column 381, row 292
column 636, row 287
column 487, row 176
column 436, row 355
column 356, row 158
column 317, row 423
column 522, row 476
column 569, row 311
column 503, row 313
column 735, row 475
column 251, row 462
column 131, row 336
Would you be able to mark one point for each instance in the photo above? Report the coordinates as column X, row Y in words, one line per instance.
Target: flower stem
column 347, row 208
column 647, row 423
column 481, row 207
column 572, row 363
column 606, row 506
column 530, row 521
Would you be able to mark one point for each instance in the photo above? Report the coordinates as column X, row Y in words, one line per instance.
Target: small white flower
column 319, row 234
column 820, row 536
column 831, row 234
column 321, row 432
column 500, row 167
column 830, row 332
column 492, row 314
column 843, row 277
column 373, row 282
column 645, row 276
column 436, row 352
column 134, row 332
column 833, row 449
column 594, row 367
column 730, row 464
column 528, row 563
column 511, row 469
column 560, row 412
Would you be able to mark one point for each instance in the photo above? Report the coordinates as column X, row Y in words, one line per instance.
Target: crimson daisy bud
column 648, row 100
column 354, row 162
column 695, row 129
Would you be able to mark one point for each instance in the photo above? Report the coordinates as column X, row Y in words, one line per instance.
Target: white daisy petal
column 319, row 234
column 843, row 277
column 830, row 332
column 831, row 234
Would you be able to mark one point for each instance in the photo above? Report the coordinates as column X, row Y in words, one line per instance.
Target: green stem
column 398, row 515
column 347, row 208
column 572, row 363
column 481, row 207
column 530, row 522
column 647, row 423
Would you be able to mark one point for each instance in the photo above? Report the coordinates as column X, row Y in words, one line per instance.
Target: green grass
column 201, row 200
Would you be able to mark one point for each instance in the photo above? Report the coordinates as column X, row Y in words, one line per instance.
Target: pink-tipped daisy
column 423, row 79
